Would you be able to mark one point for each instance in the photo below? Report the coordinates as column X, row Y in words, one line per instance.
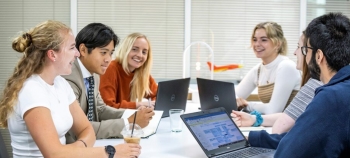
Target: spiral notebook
column 153, row 124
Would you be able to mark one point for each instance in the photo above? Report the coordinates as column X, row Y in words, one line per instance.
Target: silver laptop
column 172, row 94
column 219, row 136
column 213, row 94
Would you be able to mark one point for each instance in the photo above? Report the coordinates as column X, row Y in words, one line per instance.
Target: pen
column 149, row 102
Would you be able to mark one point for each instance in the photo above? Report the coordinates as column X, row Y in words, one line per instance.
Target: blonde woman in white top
column 39, row 106
column 275, row 77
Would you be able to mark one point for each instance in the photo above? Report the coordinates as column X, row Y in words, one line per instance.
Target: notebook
column 219, row 136
column 152, row 127
column 172, row 94
column 213, row 94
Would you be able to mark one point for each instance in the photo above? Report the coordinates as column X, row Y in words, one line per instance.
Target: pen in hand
column 149, row 102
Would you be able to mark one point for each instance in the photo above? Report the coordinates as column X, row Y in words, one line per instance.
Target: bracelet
column 83, row 142
column 259, row 119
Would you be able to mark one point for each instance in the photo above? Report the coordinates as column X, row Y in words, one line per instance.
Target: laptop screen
column 172, row 94
column 214, row 130
column 213, row 94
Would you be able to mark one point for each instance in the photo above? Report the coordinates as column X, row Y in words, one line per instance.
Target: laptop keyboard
column 247, row 152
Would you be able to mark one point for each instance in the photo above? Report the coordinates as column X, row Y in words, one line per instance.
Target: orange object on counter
column 224, row 67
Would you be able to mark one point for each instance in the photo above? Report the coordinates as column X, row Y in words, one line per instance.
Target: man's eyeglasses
column 304, row 49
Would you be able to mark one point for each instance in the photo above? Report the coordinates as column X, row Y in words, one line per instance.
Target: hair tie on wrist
column 259, row 119
column 83, row 142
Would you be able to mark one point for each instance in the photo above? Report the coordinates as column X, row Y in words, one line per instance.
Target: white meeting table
column 167, row 144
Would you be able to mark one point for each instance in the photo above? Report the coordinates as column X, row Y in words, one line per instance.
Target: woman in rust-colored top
column 127, row 79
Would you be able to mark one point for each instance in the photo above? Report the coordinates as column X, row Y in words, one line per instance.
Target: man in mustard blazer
column 96, row 43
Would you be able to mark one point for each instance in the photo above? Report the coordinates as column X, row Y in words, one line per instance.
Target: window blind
column 161, row 21
column 21, row 15
column 317, row 8
column 227, row 27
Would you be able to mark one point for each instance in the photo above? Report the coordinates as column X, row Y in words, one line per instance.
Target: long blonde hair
column 275, row 33
column 140, row 82
column 34, row 44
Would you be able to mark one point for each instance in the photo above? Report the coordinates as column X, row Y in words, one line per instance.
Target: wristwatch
column 110, row 151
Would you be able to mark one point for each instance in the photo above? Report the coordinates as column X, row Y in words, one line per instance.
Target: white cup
column 175, row 120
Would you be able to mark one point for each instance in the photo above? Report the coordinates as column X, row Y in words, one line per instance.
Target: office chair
column 3, row 151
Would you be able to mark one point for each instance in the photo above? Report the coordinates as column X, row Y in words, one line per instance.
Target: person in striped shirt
column 283, row 122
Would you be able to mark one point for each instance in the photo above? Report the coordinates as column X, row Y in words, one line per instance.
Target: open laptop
column 219, row 136
column 172, row 94
column 213, row 94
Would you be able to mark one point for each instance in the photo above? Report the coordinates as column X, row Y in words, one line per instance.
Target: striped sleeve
column 302, row 99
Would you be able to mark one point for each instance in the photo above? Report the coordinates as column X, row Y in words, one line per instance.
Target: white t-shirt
column 281, row 71
column 37, row 93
